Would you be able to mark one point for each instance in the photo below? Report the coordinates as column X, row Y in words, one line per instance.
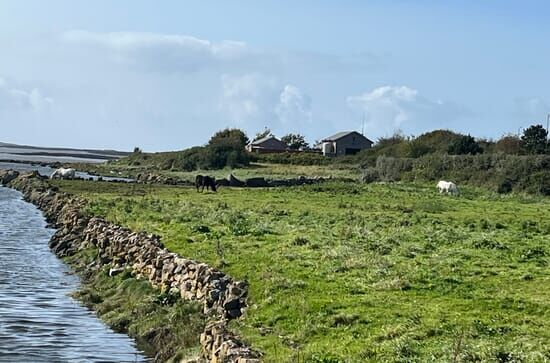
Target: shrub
column 391, row 169
column 302, row 158
column 509, row 144
column 505, row 186
column 370, row 175
column 437, row 141
column 540, row 181
column 504, row 173
column 465, row 145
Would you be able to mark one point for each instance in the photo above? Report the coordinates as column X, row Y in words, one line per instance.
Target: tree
column 137, row 150
column 534, row 139
column 262, row 134
column 465, row 145
column 295, row 141
column 236, row 136
column 226, row 148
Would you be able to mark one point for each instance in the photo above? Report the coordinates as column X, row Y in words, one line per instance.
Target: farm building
column 344, row 143
column 268, row 144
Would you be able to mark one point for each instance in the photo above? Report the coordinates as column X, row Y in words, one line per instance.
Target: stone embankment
column 232, row 181
column 119, row 248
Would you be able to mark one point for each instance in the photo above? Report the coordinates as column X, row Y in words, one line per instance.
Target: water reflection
column 39, row 322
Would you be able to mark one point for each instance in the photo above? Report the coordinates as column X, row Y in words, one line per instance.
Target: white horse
column 447, row 187
column 63, row 173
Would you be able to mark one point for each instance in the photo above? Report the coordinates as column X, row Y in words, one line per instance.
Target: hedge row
column 503, row 173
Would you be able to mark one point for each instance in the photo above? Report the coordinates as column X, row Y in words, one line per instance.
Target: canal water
column 39, row 321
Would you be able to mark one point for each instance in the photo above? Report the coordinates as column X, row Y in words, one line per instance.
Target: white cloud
column 161, row 52
column 255, row 101
column 389, row 108
column 294, row 106
column 163, row 91
column 15, row 98
column 248, row 99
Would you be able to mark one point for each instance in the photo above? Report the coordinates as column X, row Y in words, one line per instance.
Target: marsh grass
column 348, row 272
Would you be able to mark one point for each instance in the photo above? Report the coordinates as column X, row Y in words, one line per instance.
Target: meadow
column 255, row 169
column 348, row 272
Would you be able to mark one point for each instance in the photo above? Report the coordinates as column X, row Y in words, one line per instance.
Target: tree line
column 227, row 148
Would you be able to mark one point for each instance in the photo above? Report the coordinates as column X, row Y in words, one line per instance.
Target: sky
column 165, row 75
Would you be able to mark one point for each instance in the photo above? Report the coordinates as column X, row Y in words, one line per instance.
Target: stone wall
column 260, row 182
column 119, row 248
column 232, row 181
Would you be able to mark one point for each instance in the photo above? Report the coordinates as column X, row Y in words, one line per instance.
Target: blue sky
column 165, row 75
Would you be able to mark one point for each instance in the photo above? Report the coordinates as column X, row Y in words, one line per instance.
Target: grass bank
column 349, row 272
column 164, row 327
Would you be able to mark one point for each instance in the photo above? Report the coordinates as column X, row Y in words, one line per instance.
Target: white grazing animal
column 447, row 187
column 64, row 173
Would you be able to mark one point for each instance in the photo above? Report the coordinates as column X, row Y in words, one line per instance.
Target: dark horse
column 205, row 181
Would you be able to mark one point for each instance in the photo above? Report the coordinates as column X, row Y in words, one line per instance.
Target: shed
column 345, row 143
column 268, row 144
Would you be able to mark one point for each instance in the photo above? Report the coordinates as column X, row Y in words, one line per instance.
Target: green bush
column 466, row 145
column 392, row 169
column 505, row 186
column 225, row 148
column 296, row 158
column 370, row 175
column 503, row 173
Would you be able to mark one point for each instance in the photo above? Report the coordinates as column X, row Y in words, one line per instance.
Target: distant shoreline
column 51, row 155
column 48, row 148
column 60, row 154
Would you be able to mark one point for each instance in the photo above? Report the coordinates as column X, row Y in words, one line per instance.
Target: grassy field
column 270, row 171
column 352, row 273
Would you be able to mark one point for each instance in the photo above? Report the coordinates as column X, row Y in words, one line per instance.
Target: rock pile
column 260, row 182
column 119, row 248
column 160, row 179
column 7, row 176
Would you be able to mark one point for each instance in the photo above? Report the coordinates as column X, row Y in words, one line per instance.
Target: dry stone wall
column 119, row 248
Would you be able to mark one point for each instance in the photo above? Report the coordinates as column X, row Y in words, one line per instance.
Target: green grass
column 349, row 273
column 267, row 170
column 164, row 326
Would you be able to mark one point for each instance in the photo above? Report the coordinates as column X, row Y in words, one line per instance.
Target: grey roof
column 341, row 134
column 259, row 142
column 264, row 139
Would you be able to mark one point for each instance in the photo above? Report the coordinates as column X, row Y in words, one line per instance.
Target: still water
column 47, row 171
column 39, row 322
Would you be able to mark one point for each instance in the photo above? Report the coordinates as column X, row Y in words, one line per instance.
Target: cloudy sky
column 165, row 75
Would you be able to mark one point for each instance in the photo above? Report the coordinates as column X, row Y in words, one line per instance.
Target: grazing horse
column 63, row 173
column 447, row 187
column 205, row 181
